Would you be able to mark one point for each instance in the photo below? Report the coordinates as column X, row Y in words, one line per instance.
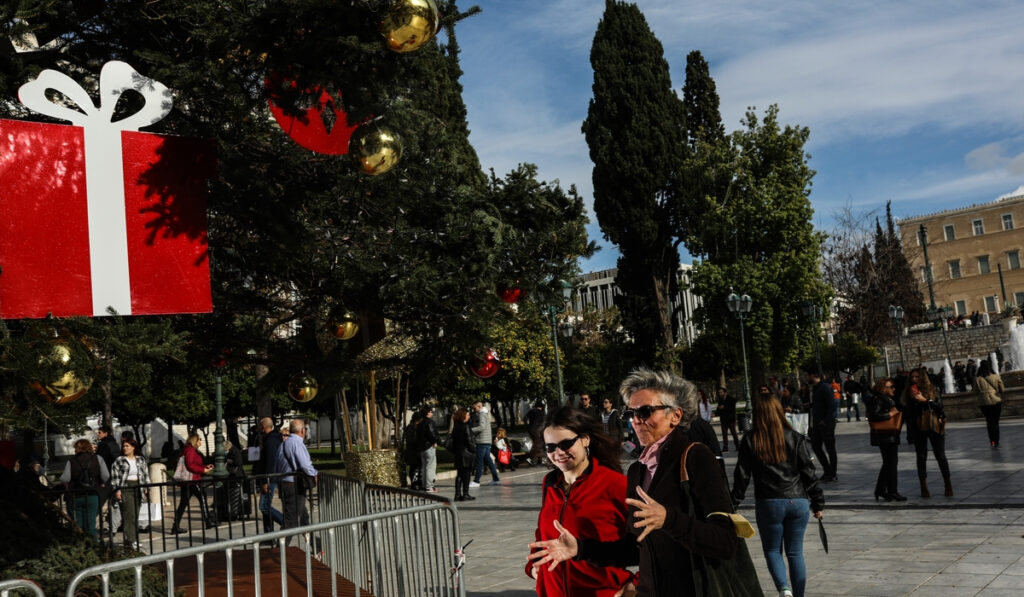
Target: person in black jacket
column 824, row 412
column 464, row 451
column 879, row 409
column 266, row 465
column 426, row 439
column 662, row 532
column 785, row 490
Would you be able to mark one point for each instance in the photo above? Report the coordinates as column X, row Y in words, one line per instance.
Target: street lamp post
column 812, row 311
column 740, row 305
column 896, row 315
column 941, row 315
column 552, row 311
column 220, row 469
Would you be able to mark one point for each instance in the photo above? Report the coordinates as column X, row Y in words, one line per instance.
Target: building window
column 983, row 267
column 1013, row 257
column 961, row 307
column 1007, row 221
column 924, row 273
column 991, row 304
column 954, row 269
column 979, row 227
column 950, row 232
column 1018, row 298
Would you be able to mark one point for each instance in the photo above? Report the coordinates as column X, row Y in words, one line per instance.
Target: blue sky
column 918, row 102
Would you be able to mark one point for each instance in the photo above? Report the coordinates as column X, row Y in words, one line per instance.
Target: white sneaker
column 785, row 593
column 474, row 484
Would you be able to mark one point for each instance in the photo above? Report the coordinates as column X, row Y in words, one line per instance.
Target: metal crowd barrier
column 234, row 502
column 389, row 542
column 6, row 586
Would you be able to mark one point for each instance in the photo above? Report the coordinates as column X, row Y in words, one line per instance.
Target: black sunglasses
column 563, row 445
column 642, row 412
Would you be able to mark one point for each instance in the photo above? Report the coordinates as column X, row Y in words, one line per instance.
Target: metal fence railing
column 368, row 539
column 232, row 504
column 6, row 586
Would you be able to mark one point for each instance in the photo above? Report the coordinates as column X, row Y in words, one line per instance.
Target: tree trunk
column 264, row 405
column 665, row 338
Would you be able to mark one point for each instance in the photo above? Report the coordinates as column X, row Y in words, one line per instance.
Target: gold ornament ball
column 409, row 24
column 376, row 149
column 302, row 387
column 345, row 327
column 68, row 387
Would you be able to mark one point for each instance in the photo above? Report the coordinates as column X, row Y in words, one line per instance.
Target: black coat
column 664, row 556
column 463, row 448
column 879, row 408
column 426, row 434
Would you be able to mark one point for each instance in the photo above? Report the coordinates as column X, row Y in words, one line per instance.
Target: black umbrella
column 821, row 533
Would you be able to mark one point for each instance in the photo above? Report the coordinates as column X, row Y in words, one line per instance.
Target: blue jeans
column 270, row 513
column 483, row 457
column 781, row 524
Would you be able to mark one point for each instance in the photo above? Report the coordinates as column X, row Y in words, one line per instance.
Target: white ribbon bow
column 104, row 168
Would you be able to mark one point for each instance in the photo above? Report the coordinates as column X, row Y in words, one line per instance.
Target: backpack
column 181, row 472
column 84, row 478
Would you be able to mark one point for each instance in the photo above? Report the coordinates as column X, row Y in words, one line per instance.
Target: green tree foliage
column 759, row 240
column 599, row 353
column 636, row 131
column 846, row 356
column 295, row 235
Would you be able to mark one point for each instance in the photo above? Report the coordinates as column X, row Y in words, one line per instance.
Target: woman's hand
column 650, row 514
column 556, row 550
column 117, row 495
column 818, row 514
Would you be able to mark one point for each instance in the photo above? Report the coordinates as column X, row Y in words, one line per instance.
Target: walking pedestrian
column 266, row 466
column 191, row 488
column 824, row 412
column 584, row 495
column 293, row 458
column 989, row 386
column 726, row 412
column 481, row 429
column 130, row 470
column 535, row 427
column 680, row 532
column 785, row 491
column 611, row 420
column 85, row 474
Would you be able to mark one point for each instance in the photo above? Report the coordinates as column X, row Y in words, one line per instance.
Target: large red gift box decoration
column 96, row 215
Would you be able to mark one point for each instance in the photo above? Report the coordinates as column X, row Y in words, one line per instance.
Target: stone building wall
column 964, row 343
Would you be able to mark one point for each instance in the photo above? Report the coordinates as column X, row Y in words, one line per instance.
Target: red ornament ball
column 511, row 294
column 485, row 364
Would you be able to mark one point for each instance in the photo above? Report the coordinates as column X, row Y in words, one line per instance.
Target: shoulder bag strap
column 683, row 474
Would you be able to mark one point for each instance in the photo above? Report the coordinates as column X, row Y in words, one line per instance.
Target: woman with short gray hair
column 672, row 520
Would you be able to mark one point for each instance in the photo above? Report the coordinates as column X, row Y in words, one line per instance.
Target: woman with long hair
column 464, row 451
column 195, row 466
column 129, row 470
column 879, row 408
column 785, row 490
column 585, row 494
column 989, row 386
column 926, row 422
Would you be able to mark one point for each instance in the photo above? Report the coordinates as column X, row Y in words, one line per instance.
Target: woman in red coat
column 194, row 464
column 585, row 494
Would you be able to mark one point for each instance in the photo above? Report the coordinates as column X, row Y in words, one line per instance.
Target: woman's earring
column 587, row 450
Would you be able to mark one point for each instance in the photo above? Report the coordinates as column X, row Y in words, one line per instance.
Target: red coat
column 594, row 508
column 194, row 462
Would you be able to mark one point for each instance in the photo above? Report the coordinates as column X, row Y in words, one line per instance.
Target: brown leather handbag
column 890, row 425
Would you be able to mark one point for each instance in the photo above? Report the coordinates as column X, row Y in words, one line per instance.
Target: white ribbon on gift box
column 104, row 168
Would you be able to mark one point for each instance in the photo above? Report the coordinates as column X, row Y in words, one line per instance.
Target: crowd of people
column 107, row 481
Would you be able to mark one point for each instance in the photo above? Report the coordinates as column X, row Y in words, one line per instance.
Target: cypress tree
column 636, row 132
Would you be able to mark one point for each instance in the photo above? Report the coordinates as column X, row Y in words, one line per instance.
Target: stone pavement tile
column 944, row 591
column 1007, row 581
column 888, row 590
column 1000, row 592
column 976, row 568
column 953, row 579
